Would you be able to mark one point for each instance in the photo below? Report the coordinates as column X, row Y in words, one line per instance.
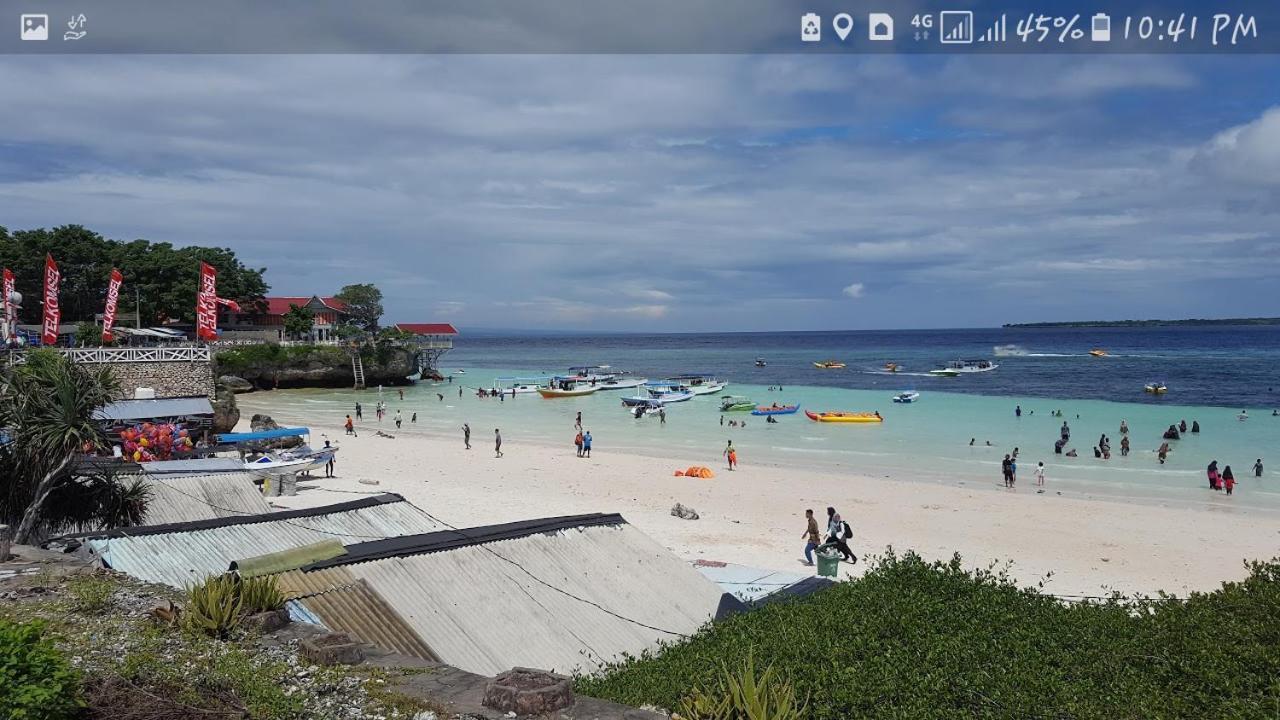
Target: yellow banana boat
column 844, row 417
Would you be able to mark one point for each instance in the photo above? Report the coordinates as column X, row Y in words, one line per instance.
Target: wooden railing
column 189, row 353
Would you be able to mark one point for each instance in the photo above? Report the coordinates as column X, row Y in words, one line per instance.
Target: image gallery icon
column 35, row 27
column 811, row 27
column 880, row 26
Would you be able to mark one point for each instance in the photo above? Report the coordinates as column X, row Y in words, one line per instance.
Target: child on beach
column 1257, row 468
column 1228, row 479
column 731, row 455
column 350, row 426
column 1039, row 472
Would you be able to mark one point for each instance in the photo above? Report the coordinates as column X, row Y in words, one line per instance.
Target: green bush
column 36, row 681
column 214, row 607
column 914, row 639
column 742, row 695
column 90, row 594
column 260, row 594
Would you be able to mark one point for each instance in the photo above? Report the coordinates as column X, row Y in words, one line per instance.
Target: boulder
column 235, row 384
column 225, row 412
column 260, row 422
column 332, row 649
column 525, row 692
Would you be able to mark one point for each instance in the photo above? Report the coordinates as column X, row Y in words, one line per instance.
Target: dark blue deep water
column 1229, row 366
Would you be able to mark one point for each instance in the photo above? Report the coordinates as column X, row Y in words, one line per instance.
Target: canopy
column 262, row 435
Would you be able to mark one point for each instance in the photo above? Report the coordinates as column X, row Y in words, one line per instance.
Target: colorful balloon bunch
column 154, row 441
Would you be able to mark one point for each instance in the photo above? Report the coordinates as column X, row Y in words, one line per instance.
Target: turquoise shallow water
column 924, row 441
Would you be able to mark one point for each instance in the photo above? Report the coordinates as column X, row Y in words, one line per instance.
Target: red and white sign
column 8, row 289
column 52, row 313
column 113, row 297
column 207, row 304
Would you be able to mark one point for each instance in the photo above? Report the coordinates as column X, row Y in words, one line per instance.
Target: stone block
column 525, row 691
column 332, row 649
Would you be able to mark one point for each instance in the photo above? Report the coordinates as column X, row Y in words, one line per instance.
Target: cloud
column 854, row 290
column 1247, row 154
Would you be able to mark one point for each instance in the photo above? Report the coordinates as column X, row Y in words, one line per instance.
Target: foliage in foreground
column 216, row 606
column 744, row 695
column 913, row 639
column 36, row 682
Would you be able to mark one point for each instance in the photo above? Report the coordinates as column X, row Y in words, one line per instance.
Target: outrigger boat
column 699, row 384
column 829, row 365
column 965, row 367
column 274, row 463
column 591, row 373
column 566, row 387
column 518, row 385
column 622, row 383
column 1156, row 388
column 844, row 417
column 776, row 409
column 734, row 403
column 906, row 397
column 668, row 392
column 644, row 407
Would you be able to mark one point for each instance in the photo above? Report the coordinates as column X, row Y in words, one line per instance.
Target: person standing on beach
column 577, row 443
column 1066, row 431
column 731, row 455
column 1040, row 476
column 466, row 435
column 328, row 466
column 497, row 442
column 586, row 444
column 810, row 532
column 402, row 394
column 459, row 391
column 413, row 418
column 399, row 419
column 1257, row 468
column 350, row 426
column 1004, row 471
column 662, row 416
column 359, row 412
column 721, row 421
column 1212, row 472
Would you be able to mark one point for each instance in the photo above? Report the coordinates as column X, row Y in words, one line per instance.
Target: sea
column 957, row 432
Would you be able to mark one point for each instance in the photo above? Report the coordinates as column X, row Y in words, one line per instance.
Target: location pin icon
column 843, row 24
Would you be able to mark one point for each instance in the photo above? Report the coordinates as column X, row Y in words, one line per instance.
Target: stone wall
column 169, row 379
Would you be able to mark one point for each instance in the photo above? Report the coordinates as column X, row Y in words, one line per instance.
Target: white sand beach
column 754, row 516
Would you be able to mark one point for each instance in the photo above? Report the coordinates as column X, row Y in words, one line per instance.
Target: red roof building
column 427, row 328
column 327, row 313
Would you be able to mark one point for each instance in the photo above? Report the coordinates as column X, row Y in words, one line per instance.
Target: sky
column 679, row 193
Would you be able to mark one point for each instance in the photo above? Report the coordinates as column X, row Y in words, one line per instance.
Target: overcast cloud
column 680, row 193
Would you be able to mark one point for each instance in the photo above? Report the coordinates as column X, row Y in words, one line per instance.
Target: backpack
column 848, row 532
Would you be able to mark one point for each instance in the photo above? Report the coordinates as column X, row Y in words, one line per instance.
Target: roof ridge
column 191, row 525
column 442, row 540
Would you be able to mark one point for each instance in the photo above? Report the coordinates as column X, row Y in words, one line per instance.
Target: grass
column 914, row 639
column 90, row 594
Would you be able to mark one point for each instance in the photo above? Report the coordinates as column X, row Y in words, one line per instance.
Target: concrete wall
column 170, row 379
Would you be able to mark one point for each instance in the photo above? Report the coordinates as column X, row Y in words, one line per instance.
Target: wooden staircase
column 357, row 370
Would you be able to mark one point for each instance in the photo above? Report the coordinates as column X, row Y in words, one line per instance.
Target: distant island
column 1146, row 323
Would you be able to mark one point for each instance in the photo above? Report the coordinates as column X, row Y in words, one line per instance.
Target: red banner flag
column 7, row 289
column 113, row 297
column 207, row 304
column 52, row 313
column 231, row 305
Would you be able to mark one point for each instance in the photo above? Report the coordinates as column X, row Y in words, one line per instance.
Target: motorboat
column 268, row 466
column 760, row 362
column 736, row 403
column 892, row 367
column 829, row 365
column 668, row 392
column 906, row 397
column 965, row 367
column 562, row 387
column 622, row 383
column 643, row 407
column 1098, row 352
column 518, row 385
column 1156, row 388
column 699, row 384
column 776, row 409
column 844, row 417
column 592, row 373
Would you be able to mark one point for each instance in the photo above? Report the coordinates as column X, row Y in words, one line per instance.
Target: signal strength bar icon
column 955, row 27
column 998, row 32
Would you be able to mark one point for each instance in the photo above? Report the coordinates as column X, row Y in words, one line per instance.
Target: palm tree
column 46, row 411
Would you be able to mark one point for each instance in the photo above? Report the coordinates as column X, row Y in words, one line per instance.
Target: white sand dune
column 754, row 516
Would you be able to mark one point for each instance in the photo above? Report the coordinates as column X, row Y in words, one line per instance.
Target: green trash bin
column 828, row 561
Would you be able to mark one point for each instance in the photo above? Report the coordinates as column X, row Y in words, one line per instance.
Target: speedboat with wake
column 1098, row 352
column 906, row 397
column 964, row 367
column 829, row 365
column 760, row 362
column 1156, row 388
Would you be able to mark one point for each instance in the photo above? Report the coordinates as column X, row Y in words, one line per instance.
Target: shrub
column 914, row 639
column 741, row 695
column 90, row 594
column 214, row 606
column 260, row 594
column 36, row 681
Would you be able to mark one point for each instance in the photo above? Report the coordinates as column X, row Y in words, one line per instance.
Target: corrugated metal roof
column 343, row 603
column 193, row 466
column 758, row 585
column 184, row 498
column 180, row 555
column 483, row 613
column 156, row 408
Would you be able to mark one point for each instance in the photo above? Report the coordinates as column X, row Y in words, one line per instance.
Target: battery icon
column 1101, row 29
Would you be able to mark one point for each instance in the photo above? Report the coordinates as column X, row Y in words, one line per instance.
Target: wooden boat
column 829, row 365
column 1098, row 352
column 844, row 417
column 566, row 387
column 776, row 410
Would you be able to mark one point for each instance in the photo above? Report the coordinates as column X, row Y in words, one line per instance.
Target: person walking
column 399, row 419
column 328, row 466
column 359, row 412
column 413, row 419
column 350, row 426
column 466, row 435
column 1124, row 446
column 731, row 455
column 836, row 535
column 459, row 391
column 1257, row 468
column 1228, row 479
column 662, row 416
column 811, row 533
column 586, row 444
column 577, row 423
column 401, row 394
column 497, row 442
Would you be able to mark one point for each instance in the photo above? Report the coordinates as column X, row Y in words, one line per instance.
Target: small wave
column 1008, row 350
column 1057, row 355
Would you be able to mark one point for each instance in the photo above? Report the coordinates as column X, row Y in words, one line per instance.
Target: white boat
column 906, row 397
column 566, row 387
column 622, row 383
column 591, row 373
column 699, row 384
column 668, row 392
column 521, row 386
column 1156, row 388
column 268, row 466
column 760, row 362
column 965, row 367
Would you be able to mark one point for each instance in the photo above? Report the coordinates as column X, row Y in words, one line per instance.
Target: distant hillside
column 1146, row 323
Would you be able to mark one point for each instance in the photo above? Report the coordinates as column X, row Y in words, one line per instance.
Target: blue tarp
column 262, row 435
